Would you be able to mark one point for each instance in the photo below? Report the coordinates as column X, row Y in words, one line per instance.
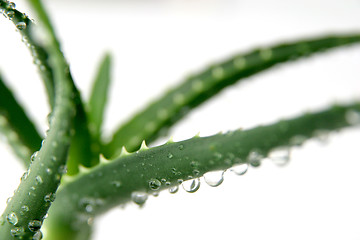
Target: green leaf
column 98, row 97
column 20, row 131
column 96, row 190
column 168, row 109
column 33, row 197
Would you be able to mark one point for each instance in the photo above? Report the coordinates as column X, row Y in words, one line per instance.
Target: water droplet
column 297, row 140
column 218, row 72
column 240, row 169
column 21, row 25
column 11, row 5
column 240, row 62
column 8, row 200
column 116, row 183
column 38, row 180
column 280, row 156
column 139, row 198
column 194, row 164
column 265, row 54
column 196, row 172
column 170, row 155
column 62, row 169
column 46, row 216
column 48, row 171
column 90, row 221
column 53, row 158
column 17, row 232
column 191, row 185
column 50, row 197
column 254, row 158
column 12, row 218
column 24, row 210
column 154, row 184
column 37, row 236
column 33, row 156
column 181, row 147
column 352, row 117
column 214, row 178
column 155, row 194
column 174, row 189
column 197, row 86
column 87, row 205
column 10, row 14
column 322, row 136
column 34, row 225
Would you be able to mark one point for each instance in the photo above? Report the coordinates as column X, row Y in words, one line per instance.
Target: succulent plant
column 72, row 174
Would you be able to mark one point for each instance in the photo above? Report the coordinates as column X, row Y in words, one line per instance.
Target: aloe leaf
column 94, row 191
column 27, row 209
column 26, row 28
column 98, row 98
column 19, row 130
column 80, row 151
column 168, row 109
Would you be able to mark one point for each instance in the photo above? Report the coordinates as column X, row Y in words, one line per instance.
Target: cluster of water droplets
column 89, row 204
column 9, row 12
column 18, row 231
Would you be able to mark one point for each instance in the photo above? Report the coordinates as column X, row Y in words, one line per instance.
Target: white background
column 155, row 44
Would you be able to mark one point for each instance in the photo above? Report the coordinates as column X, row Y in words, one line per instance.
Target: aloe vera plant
column 73, row 175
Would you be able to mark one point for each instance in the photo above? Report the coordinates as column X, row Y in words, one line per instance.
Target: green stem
column 111, row 183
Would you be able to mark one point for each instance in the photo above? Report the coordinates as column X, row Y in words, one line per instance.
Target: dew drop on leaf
column 11, row 5
column 24, row 209
column 352, row 117
column 34, row 225
column 10, row 14
column 17, row 232
column 240, row 169
column 214, row 178
column 24, row 176
column 322, row 136
column 33, row 156
column 21, row 25
column 280, row 156
column 62, row 169
column 297, row 140
column 174, row 189
column 191, row 185
column 38, row 180
column 116, row 184
column 87, row 204
column 12, row 218
column 254, row 158
column 50, row 197
column 170, row 156
column 37, row 236
column 154, row 184
column 139, row 198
